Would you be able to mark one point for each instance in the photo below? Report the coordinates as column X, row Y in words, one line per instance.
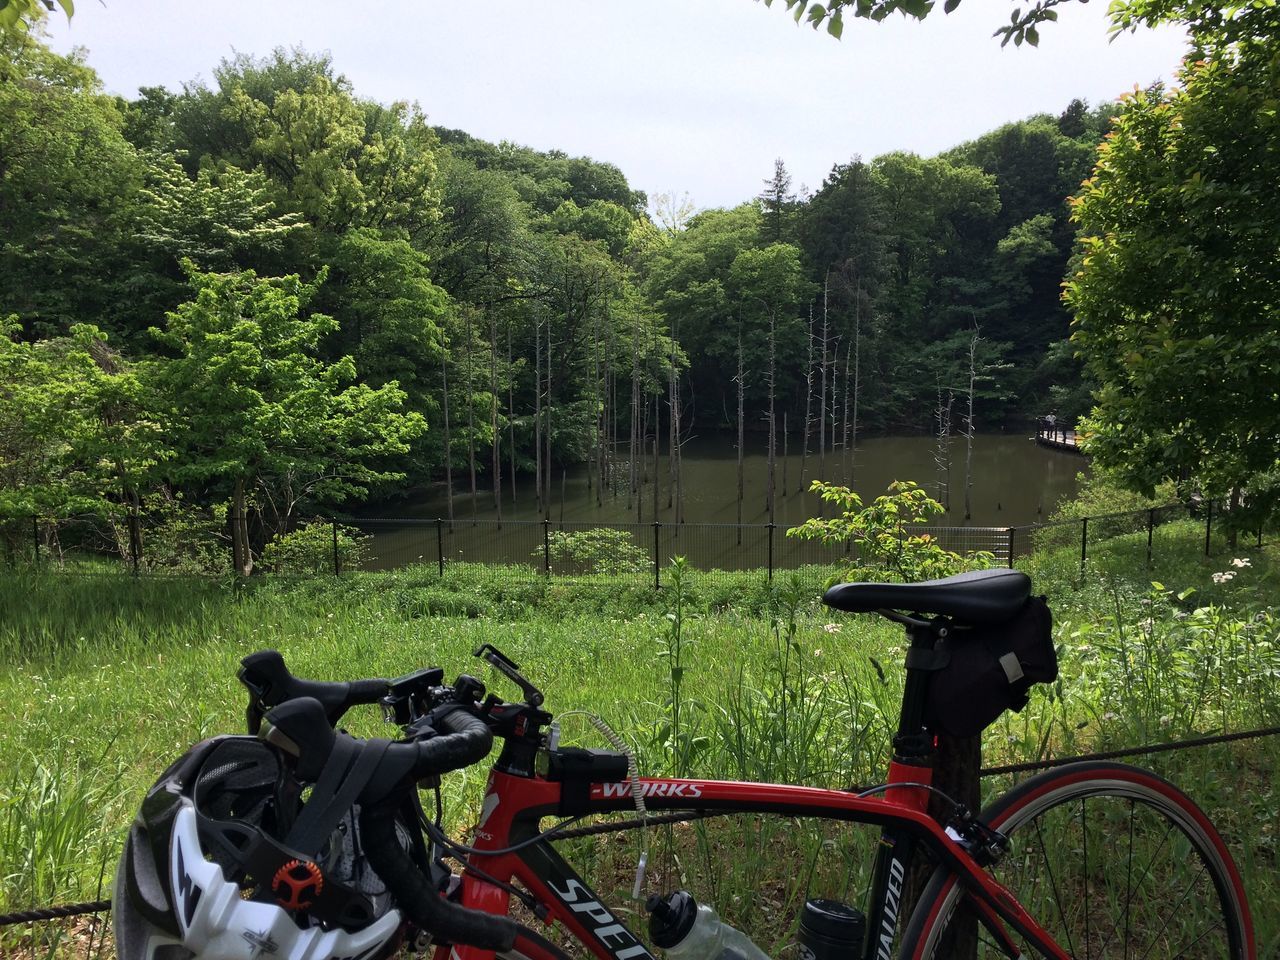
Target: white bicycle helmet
column 223, row 863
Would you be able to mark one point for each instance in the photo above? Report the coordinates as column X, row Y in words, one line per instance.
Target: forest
column 269, row 292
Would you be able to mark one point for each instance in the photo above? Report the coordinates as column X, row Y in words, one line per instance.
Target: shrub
column 309, row 549
column 602, row 550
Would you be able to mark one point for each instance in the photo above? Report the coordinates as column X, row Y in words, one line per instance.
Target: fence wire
column 199, row 542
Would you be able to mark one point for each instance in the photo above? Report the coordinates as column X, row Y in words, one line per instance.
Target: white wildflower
column 1224, row 576
column 832, row 628
column 1240, row 562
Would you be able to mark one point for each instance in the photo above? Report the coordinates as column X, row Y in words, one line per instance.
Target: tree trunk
column 493, row 413
column 846, row 453
column 942, row 452
column 471, row 423
column 547, row 432
column 808, row 406
column 773, row 432
column 448, row 450
column 657, row 437
column 740, row 431
column 511, row 413
column 241, row 554
column 822, row 418
column 785, row 454
column 857, row 357
column 968, row 426
column 537, row 415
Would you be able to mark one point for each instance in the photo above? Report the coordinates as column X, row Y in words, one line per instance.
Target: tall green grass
column 106, row 679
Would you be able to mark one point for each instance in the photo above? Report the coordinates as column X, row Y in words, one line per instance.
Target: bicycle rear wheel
column 1113, row 861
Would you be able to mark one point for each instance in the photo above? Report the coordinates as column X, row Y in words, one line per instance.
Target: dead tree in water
column 511, row 412
column 471, row 423
column 537, row 413
column 846, row 457
column 741, row 381
column 822, row 399
column 968, row 421
column 942, row 452
column 495, row 431
column 808, row 405
column 448, row 452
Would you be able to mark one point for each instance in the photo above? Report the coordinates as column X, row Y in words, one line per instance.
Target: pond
column 1014, row 482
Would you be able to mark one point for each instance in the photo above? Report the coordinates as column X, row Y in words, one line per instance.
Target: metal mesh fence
column 524, row 550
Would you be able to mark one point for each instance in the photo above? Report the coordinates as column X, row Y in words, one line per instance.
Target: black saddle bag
column 989, row 669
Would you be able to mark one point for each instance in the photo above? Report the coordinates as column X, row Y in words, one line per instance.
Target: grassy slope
column 106, row 679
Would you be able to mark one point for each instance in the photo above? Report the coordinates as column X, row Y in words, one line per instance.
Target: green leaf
column 835, row 26
column 950, row 5
column 1033, row 36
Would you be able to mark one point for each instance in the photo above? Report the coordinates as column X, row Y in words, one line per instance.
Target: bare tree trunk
column 493, row 413
column 942, row 452
column 549, row 409
column 857, row 357
column 640, row 463
column 448, row 449
column 677, row 453
column 633, row 489
column 808, row 405
column 657, row 437
column 784, row 454
column 471, row 422
column 537, row 414
column 822, row 418
column 740, row 431
column 773, row 421
column 968, row 424
column 511, row 413
column 846, row 456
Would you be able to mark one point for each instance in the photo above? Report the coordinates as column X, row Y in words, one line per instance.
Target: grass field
column 107, row 678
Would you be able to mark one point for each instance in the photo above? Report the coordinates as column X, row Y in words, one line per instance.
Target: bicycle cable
column 637, row 789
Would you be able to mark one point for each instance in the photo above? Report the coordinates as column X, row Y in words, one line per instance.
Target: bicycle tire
column 1181, row 892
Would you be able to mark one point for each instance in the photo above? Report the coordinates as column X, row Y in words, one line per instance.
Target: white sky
column 695, row 96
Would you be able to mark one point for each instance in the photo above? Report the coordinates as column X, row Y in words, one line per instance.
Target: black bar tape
column 468, row 742
column 418, row 898
column 365, row 691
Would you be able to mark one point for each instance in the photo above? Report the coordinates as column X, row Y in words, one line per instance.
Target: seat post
column 911, row 745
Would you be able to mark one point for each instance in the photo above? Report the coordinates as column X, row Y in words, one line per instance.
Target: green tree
column 79, row 432
column 1177, row 298
column 259, row 407
column 67, row 176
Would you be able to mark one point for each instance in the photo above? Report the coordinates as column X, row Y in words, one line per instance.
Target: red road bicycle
column 1090, row 860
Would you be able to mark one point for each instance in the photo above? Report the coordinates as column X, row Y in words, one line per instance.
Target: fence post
column 35, row 536
column 440, row 544
column 771, row 529
column 1012, row 531
column 1259, row 534
column 657, row 560
column 1084, row 541
column 337, row 568
column 546, row 545
column 1208, row 524
column 1151, row 525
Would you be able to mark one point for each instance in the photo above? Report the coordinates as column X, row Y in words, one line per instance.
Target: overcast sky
column 686, row 96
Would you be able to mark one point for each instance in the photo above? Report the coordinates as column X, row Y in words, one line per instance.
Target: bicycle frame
column 514, row 806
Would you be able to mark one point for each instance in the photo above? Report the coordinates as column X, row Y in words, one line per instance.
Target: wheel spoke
column 1057, row 897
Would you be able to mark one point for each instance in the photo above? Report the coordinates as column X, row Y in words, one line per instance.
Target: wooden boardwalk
column 1057, row 436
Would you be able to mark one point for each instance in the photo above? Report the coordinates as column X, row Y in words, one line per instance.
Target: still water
column 1014, row 482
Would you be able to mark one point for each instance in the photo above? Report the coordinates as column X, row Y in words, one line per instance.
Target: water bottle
column 831, row 930
column 687, row 930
